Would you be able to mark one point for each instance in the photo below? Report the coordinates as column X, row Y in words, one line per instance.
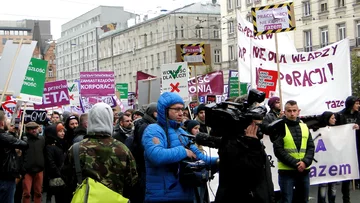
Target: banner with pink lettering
column 97, row 84
column 246, row 41
column 335, row 153
column 210, row 83
column 55, row 94
column 319, row 80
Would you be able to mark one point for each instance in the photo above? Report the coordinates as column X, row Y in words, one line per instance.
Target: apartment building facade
column 147, row 45
column 320, row 23
column 76, row 50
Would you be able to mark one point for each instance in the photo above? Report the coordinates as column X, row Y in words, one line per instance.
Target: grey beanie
column 151, row 109
column 100, row 119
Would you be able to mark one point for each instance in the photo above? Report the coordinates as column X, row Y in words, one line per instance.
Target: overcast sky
column 62, row 11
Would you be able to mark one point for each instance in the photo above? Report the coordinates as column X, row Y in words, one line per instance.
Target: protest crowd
column 136, row 153
column 286, row 122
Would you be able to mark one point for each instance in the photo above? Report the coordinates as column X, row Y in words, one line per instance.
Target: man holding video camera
column 244, row 169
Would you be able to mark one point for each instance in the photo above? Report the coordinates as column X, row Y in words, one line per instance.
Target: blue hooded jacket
column 161, row 183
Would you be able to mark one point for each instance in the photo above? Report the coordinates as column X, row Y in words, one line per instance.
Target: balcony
column 340, row 10
column 323, row 14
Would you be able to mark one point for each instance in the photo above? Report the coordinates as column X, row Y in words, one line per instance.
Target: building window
column 307, row 40
column 323, row 7
column 249, row 2
column 231, row 27
column 357, row 33
column 158, row 59
column 164, row 53
column 145, row 40
column 198, row 31
column 182, row 32
column 249, row 18
column 341, row 31
column 145, row 62
column 216, row 32
column 217, row 55
column 152, row 61
column 229, row 4
column 231, row 53
column 340, row 3
column 324, row 37
column 306, row 6
column 238, row 3
column 50, row 73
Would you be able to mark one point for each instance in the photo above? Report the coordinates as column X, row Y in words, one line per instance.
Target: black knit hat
column 201, row 107
column 190, row 124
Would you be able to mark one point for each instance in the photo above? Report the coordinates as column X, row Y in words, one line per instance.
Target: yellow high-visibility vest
column 290, row 146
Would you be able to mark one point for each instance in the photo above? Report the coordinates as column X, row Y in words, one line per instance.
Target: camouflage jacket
column 106, row 160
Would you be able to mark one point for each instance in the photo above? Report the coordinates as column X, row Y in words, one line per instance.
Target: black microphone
column 205, row 140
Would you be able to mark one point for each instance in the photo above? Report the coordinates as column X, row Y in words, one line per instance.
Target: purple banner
column 87, row 102
column 97, row 84
column 55, row 94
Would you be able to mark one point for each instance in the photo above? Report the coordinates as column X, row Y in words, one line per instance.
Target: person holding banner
column 327, row 119
column 350, row 114
column 294, row 148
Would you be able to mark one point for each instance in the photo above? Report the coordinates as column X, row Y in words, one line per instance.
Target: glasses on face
column 178, row 109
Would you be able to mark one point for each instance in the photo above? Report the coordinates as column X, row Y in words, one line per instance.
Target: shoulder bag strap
column 76, row 155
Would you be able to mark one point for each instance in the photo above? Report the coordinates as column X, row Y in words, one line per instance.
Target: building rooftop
column 16, row 28
column 194, row 8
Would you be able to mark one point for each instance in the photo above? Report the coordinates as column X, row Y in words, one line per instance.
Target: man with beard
column 9, row 165
column 34, row 164
column 137, row 150
column 124, row 128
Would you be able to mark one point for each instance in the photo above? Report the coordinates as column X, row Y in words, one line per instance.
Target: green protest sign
column 33, row 86
column 123, row 89
column 234, row 87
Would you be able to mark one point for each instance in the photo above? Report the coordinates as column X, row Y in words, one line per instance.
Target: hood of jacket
column 349, row 103
column 325, row 117
column 51, row 135
column 166, row 100
column 100, row 119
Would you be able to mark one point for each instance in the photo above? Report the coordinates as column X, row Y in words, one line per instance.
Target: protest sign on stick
column 16, row 56
column 274, row 19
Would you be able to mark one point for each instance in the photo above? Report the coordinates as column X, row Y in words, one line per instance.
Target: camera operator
column 244, row 169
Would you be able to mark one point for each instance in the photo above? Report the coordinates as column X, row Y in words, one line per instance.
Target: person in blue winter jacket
column 164, row 147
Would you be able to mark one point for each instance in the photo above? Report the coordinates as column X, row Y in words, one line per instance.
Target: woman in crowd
column 327, row 119
column 55, row 152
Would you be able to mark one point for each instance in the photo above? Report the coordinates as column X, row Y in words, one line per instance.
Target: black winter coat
column 284, row 156
column 34, row 159
column 10, row 166
column 54, row 153
column 244, row 172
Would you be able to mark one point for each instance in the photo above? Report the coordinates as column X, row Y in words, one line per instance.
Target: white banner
column 324, row 74
column 245, row 34
column 335, row 151
column 175, row 78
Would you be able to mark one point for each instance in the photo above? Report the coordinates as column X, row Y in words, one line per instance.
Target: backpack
column 90, row 190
